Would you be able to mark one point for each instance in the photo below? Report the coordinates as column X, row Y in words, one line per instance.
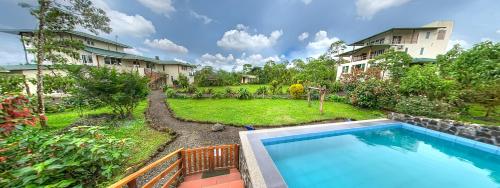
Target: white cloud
column 166, row 45
column 180, row 60
column 486, row 39
column 306, row 1
column 164, row 7
column 240, row 39
column 320, row 44
column 303, row 36
column 134, row 51
column 462, row 43
column 124, row 24
column 498, row 31
column 229, row 62
column 366, row 9
column 205, row 19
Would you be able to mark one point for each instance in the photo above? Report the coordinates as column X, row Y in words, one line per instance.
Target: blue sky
column 229, row 33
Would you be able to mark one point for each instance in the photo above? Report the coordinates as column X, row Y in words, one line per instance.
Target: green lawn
column 144, row 140
column 250, row 87
column 264, row 112
column 476, row 115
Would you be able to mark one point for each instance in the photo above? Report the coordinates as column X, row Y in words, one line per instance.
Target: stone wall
column 481, row 133
column 244, row 170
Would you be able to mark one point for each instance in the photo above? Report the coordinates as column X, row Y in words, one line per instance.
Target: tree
column 11, row 83
column 54, row 16
column 425, row 80
column 247, row 68
column 183, row 81
column 395, row 62
column 320, row 71
column 335, row 48
column 477, row 71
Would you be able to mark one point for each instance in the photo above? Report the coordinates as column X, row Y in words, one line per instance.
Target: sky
column 229, row 33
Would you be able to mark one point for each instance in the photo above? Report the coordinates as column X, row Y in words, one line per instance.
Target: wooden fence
column 187, row 161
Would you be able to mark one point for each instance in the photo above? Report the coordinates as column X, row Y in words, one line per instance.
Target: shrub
column 229, row 92
column 198, row 95
column 11, row 83
column 192, row 89
column 171, row 93
column 335, row 87
column 424, row 80
column 183, row 81
column 373, row 93
column 337, row 98
column 275, row 88
column 81, row 157
column 209, row 91
column 121, row 91
column 243, row 93
column 15, row 113
column 296, row 91
column 422, row 106
column 218, row 94
column 262, row 90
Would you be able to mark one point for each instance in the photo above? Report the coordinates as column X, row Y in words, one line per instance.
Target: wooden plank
column 162, row 174
column 142, row 171
column 172, row 179
column 184, row 161
column 211, row 157
column 230, row 159
column 188, row 161
column 224, row 156
column 195, row 160
column 200, row 152
column 237, row 154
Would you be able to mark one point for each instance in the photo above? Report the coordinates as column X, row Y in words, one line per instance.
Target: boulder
column 217, row 127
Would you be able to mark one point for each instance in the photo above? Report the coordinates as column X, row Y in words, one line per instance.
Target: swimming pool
column 383, row 155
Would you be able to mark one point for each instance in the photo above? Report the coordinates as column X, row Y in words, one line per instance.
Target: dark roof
column 19, row 67
column 122, row 55
column 392, row 29
column 359, row 49
column 78, row 33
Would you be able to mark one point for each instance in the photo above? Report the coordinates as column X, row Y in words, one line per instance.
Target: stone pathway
column 189, row 134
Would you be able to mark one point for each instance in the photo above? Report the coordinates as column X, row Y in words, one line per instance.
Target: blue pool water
column 392, row 157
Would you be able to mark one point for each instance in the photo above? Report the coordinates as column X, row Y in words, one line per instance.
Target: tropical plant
column 80, row 157
column 198, row 95
column 424, row 80
column 297, row 91
column 373, row 93
column 183, row 81
column 394, row 62
column 262, row 90
column 53, row 17
column 243, row 94
column 15, row 113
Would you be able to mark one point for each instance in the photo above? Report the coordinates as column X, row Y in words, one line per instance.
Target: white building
column 101, row 52
column 422, row 43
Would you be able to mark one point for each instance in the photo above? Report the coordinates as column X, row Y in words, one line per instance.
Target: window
column 359, row 67
column 136, row 64
column 345, row 69
column 441, row 34
column 86, row 58
column 396, row 39
column 89, row 59
column 89, row 42
column 421, row 51
column 112, row 61
column 427, row 35
column 150, row 66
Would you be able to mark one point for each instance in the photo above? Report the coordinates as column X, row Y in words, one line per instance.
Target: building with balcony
column 102, row 52
column 423, row 44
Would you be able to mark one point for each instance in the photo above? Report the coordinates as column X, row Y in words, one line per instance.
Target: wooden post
column 237, row 156
column 132, row 184
column 309, row 97
column 322, row 92
column 211, row 158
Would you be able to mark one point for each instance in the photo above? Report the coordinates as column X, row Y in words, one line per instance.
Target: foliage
column 121, row 91
column 243, row 94
column 191, row 89
column 320, row 71
column 477, row 71
column 183, row 81
column 171, row 93
column 219, row 94
column 82, row 157
column 335, row 87
column 15, row 113
column 207, row 76
column 262, row 90
column 11, row 83
column 198, row 95
column 297, row 91
column 337, row 98
column 373, row 93
column 422, row 106
column 229, row 92
column 351, row 80
column 208, row 91
column 424, row 80
column 275, row 71
column 57, row 83
column 275, row 88
column 395, row 62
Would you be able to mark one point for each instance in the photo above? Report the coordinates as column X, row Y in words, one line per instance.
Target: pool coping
column 263, row 172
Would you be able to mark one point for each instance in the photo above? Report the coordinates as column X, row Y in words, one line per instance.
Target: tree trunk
column 40, row 56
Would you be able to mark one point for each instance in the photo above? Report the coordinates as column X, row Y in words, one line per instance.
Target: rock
column 217, row 127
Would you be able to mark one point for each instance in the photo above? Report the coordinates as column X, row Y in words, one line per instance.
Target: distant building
column 422, row 43
column 245, row 79
column 101, row 52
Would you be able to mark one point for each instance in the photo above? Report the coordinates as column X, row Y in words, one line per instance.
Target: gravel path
column 189, row 134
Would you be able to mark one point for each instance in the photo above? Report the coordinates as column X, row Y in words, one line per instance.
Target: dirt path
column 189, row 134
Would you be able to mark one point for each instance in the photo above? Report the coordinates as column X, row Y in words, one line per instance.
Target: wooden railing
column 209, row 158
column 187, row 161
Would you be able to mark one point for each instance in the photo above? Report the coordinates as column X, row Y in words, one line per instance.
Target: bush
column 171, row 93
column 422, row 106
column 183, row 81
column 218, row 94
column 373, row 93
column 81, row 157
column 11, row 83
column 337, row 98
column 198, row 95
column 243, row 94
column 275, row 88
column 424, row 80
column 209, row 91
column 229, row 92
column 191, row 89
column 262, row 90
column 15, row 113
column 121, row 91
column 335, row 87
column 297, row 91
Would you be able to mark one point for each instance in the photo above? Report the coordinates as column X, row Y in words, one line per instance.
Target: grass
column 145, row 141
column 264, row 112
column 477, row 113
column 250, row 87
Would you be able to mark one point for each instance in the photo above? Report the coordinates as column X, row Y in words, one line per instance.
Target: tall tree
column 54, row 17
column 394, row 62
column 335, row 49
